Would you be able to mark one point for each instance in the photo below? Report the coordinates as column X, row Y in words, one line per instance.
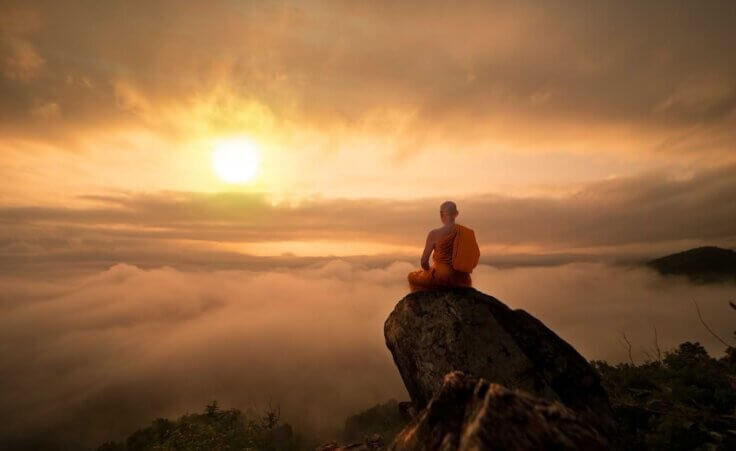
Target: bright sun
column 236, row 160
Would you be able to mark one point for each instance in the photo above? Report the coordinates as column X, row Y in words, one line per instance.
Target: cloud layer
column 524, row 74
column 89, row 357
column 645, row 215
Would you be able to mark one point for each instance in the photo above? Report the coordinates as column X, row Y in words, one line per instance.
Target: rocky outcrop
column 468, row 413
column 432, row 333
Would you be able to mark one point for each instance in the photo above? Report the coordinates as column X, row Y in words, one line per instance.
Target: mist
column 92, row 357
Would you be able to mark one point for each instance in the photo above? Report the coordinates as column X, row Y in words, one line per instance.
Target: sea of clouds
column 93, row 356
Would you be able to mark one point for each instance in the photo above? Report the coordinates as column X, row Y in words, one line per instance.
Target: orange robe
column 441, row 272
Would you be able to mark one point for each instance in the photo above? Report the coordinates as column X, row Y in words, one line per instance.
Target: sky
column 573, row 136
column 603, row 118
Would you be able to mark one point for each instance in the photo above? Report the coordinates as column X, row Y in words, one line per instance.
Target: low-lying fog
column 94, row 357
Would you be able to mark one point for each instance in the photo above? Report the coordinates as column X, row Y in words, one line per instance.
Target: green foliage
column 382, row 419
column 686, row 401
column 213, row 430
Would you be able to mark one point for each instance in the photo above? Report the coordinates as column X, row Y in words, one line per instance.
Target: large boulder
column 473, row 414
column 432, row 333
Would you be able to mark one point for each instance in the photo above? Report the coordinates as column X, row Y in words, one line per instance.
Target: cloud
column 22, row 62
column 98, row 354
column 19, row 59
column 647, row 215
column 46, row 110
column 174, row 340
column 522, row 75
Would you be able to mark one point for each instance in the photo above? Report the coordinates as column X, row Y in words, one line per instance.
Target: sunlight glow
column 236, row 160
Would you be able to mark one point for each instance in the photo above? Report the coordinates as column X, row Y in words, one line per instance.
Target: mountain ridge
column 705, row 264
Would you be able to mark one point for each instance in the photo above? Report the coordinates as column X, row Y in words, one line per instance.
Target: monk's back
column 443, row 244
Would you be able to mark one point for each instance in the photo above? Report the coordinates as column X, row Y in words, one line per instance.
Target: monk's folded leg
column 420, row 280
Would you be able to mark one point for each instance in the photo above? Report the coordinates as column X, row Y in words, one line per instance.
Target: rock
column 431, row 333
column 469, row 413
column 372, row 443
column 375, row 442
column 407, row 410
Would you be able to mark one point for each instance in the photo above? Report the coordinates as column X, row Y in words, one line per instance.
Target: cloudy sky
column 564, row 127
column 568, row 132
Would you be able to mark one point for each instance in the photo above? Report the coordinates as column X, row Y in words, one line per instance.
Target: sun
column 236, row 160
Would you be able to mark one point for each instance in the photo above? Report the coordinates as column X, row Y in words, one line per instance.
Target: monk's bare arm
column 427, row 250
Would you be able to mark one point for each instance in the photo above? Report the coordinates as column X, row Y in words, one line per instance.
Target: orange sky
column 556, row 128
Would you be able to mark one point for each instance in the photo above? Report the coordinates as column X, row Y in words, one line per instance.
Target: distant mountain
column 702, row 264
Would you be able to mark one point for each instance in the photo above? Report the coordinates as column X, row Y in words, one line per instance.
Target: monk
column 440, row 241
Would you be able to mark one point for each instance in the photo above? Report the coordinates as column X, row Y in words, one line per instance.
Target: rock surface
column 473, row 414
column 432, row 333
column 374, row 443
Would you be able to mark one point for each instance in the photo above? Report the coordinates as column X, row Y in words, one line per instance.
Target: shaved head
column 449, row 206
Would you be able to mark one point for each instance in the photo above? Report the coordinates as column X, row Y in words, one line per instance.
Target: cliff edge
column 433, row 333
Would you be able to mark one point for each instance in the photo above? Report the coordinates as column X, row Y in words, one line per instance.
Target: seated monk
column 440, row 241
